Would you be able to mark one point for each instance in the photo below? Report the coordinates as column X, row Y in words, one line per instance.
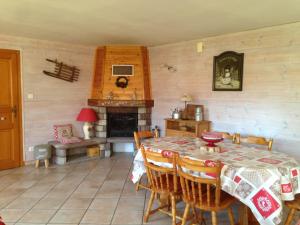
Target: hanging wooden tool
column 63, row 71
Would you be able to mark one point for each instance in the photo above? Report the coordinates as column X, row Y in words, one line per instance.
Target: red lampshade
column 87, row 115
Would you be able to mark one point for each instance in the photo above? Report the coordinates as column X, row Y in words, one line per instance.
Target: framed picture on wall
column 228, row 71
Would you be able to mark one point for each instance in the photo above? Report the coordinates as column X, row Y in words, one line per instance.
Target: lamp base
column 86, row 130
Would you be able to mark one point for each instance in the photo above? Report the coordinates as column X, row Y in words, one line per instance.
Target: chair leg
column 46, row 163
column 173, row 203
column 150, row 203
column 37, row 163
column 290, row 217
column 137, row 186
column 195, row 214
column 230, row 215
column 185, row 214
column 214, row 219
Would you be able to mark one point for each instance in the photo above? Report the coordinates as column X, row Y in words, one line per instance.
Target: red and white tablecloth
column 260, row 179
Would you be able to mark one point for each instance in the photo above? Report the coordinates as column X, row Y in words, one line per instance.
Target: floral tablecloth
column 260, row 179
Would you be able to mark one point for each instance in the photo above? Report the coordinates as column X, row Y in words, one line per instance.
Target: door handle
column 14, row 111
column 2, row 118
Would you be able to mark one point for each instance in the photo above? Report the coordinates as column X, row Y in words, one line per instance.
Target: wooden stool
column 293, row 206
column 42, row 152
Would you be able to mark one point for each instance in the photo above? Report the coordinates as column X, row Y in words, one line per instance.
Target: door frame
column 20, row 102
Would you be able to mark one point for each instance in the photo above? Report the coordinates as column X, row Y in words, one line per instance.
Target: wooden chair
column 163, row 181
column 293, row 206
column 138, row 136
column 203, row 193
column 255, row 140
column 228, row 136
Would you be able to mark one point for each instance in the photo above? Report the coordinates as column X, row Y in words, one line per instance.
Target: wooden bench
column 60, row 154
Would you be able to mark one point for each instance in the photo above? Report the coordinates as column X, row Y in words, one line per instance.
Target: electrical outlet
column 30, row 149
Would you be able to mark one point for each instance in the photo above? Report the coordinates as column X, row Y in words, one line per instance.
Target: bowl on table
column 211, row 138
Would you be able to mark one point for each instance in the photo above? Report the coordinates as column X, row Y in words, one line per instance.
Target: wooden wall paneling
column 132, row 55
column 98, row 73
column 146, row 68
column 269, row 103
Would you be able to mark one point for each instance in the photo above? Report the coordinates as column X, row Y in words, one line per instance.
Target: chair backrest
column 160, row 178
column 139, row 135
column 228, row 136
column 203, row 189
column 255, row 140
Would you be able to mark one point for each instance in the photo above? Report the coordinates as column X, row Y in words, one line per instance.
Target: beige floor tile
column 126, row 217
column 77, row 203
column 29, row 224
column 12, row 215
column 49, row 203
column 23, row 203
column 111, row 189
column 68, row 216
column 131, row 203
column 95, row 216
column 102, row 204
column 37, row 216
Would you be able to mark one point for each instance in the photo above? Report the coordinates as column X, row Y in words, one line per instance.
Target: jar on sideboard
column 198, row 114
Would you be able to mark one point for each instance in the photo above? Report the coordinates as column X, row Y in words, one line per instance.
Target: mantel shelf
column 120, row 103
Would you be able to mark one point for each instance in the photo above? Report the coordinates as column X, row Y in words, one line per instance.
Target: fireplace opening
column 121, row 122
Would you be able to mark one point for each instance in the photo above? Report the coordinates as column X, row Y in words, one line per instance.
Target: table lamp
column 186, row 98
column 87, row 115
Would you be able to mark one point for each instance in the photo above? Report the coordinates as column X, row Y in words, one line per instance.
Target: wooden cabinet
column 190, row 128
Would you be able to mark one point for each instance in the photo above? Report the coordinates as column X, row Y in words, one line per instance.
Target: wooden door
column 10, row 110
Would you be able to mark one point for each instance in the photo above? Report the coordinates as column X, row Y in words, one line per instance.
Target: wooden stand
column 187, row 128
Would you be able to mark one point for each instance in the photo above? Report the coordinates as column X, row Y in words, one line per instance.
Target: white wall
column 55, row 101
column 269, row 104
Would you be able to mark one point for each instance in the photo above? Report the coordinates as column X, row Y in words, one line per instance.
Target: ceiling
column 143, row 22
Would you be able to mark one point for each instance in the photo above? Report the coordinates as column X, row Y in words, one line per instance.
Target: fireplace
column 122, row 122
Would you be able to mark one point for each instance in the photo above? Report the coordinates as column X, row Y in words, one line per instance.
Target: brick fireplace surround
column 100, row 106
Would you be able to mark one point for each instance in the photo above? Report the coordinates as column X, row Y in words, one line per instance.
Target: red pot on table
column 211, row 138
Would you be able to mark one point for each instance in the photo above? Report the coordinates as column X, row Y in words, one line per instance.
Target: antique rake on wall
column 63, row 71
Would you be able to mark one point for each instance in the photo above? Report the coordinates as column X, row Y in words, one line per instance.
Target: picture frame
column 228, row 71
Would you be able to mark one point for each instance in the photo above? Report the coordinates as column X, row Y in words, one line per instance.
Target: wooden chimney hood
column 138, row 91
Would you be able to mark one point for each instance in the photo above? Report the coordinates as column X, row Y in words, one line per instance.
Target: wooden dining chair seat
column 138, row 137
column 203, row 192
column 293, row 206
column 163, row 181
column 255, row 140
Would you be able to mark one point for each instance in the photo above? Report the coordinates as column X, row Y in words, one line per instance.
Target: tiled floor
column 90, row 192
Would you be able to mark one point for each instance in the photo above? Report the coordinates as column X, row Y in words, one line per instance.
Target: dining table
column 262, row 180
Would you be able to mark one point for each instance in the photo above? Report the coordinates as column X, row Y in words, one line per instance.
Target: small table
column 60, row 156
column 259, row 178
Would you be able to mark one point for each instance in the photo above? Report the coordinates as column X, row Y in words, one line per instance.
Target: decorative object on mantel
column 170, row 68
column 87, row 115
column 185, row 98
column 228, row 71
column 111, row 95
column 63, row 71
column 120, row 103
column 122, row 82
column 134, row 95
